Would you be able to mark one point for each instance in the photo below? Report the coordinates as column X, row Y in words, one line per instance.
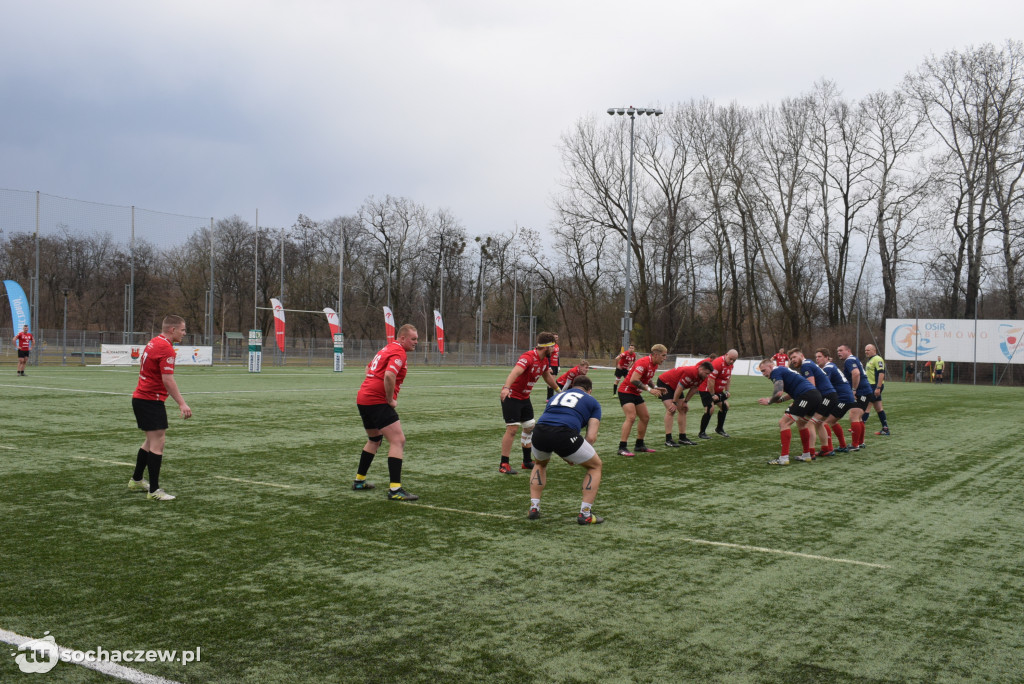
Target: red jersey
column 24, row 341
column 157, row 360
column 566, row 378
column 391, row 358
column 553, row 357
column 681, row 375
column 780, row 360
column 721, row 376
column 533, row 367
column 646, row 368
column 625, row 360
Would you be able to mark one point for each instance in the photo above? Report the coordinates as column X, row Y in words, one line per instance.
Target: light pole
column 627, row 321
column 976, row 334
column 64, row 360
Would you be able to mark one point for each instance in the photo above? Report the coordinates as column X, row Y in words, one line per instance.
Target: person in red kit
column 516, row 407
column 377, row 400
column 622, row 363
column 23, row 342
column 638, row 380
column 782, row 358
column 714, row 391
column 674, row 381
column 156, row 383
column 553, row 363
column 565, row 379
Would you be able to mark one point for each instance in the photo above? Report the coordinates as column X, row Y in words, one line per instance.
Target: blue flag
column 19, row 305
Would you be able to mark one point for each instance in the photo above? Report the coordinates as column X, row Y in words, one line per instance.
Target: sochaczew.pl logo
column 42, row 655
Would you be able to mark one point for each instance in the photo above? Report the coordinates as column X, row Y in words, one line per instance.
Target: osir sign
column 926, row 339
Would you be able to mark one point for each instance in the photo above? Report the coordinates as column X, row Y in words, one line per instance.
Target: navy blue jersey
column 792, row 382
column 572, row 408
column 839, row 382
column 821, row 382
column 852, row 362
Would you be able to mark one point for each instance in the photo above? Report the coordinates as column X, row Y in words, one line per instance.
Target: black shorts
column 150, row 414
column 556, row 439
column 669, row 391
column 621, row 372
column 705, row 398
column 377, row 416
column 23, row 353
column 862, row 402
column 828, row 401
column 805, row 405
column 516, row 411
column 630, row 399
column 838, row 407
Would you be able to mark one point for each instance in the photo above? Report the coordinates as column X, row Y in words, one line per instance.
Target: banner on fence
column 957, row 340
column 128, row 355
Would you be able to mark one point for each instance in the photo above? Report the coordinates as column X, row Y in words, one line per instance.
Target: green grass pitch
column 899, row 563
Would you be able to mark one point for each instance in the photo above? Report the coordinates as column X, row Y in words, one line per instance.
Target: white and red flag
column 333, row 321
column 278, row 323
column 389, row 324
column 439, row 331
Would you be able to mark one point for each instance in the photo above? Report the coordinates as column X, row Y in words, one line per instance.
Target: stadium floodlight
column 627, row 320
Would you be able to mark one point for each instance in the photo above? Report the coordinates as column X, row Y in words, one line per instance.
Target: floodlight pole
column 627, row 320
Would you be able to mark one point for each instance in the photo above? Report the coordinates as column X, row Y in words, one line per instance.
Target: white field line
column 4, row 446
column 690, row 540
column 110, row 669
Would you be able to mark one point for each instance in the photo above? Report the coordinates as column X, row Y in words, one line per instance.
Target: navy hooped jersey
column 572, row 408
column 793, row 383
column 821, row 382
column 839, row 382
column 864, row 387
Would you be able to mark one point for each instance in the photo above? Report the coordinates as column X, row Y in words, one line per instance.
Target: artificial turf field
column 902, row 562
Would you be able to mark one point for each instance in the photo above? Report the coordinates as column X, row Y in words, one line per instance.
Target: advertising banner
column 957, row 340
column 255, row 351
column 128, row 355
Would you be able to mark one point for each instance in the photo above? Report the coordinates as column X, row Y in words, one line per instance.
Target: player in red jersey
column 377, row 400
column 516, row 407
column 622, row 363
column 23, row 342
column 553, row 363
column 156, row 383
column 565, row 379
column 714, row 391
column 639, row 378
column 781, row 359
column 674, row 381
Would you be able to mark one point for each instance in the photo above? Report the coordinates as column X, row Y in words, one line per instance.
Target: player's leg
column 880, row 410
column 705, row 419
column 723, row 409
column 643, row 417
column 538, row 478
column 682, row 410
column 670, row 410
column 586, row 456
column 396, row 454
column 629, row 409
column 526, row 440
column 785, row 438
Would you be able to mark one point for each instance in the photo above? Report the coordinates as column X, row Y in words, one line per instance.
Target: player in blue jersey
column 790, row 385
column 558, row 431
column 817, row 377
column 854, row 371
column 844, row 397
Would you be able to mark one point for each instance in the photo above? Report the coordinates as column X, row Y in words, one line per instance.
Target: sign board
column 958, row 340
column 339, row 352
column 129, row 354
column 255, row 351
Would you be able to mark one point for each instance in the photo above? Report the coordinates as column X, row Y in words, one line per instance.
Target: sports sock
column 704, row 421
column 527, row 454
column 365, row 459
column 805, row 439
column 682, row 436
column 668, row 437
column 721, row 418
column 785, row 436
column 585, row 509
column 838, row 430
column 622, row 446
column 140, row 464
column 504, row 459
column 858, row 433
column 534, row 503
column 881, row 417
column 640, row 444
column 154, row 461
column 864, row 418
column 395, row 471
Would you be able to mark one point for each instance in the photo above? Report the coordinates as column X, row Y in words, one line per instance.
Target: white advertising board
column 128, row 355
column 964, row 341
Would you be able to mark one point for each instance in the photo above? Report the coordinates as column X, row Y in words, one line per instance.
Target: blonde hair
column 659, row 349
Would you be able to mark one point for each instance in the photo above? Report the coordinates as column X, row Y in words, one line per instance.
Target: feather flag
column 19, row 306
column 278, row 323
column 389, row 324
column 333, row 321
column 439, row 331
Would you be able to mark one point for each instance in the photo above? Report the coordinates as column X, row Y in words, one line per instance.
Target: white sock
column 585, row 509
column 535, row 503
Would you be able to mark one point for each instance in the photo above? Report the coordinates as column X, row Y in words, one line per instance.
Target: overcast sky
column 220, row 107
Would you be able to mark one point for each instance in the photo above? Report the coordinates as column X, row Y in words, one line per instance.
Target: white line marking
column 459, row 510
column 4, row 446
column 107, row 668
column 63, row 389
column 102, row 460
column 265, row 484
column 762, row 549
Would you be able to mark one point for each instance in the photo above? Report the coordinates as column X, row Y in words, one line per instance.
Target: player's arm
column 171, row 385
column 879, row 379
column 677, row 395
column 517, row 370
column 389, row 388
column 855, row 378
column 693, row 390
column 636, row 381
column 779, row 394
column 592, row 426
